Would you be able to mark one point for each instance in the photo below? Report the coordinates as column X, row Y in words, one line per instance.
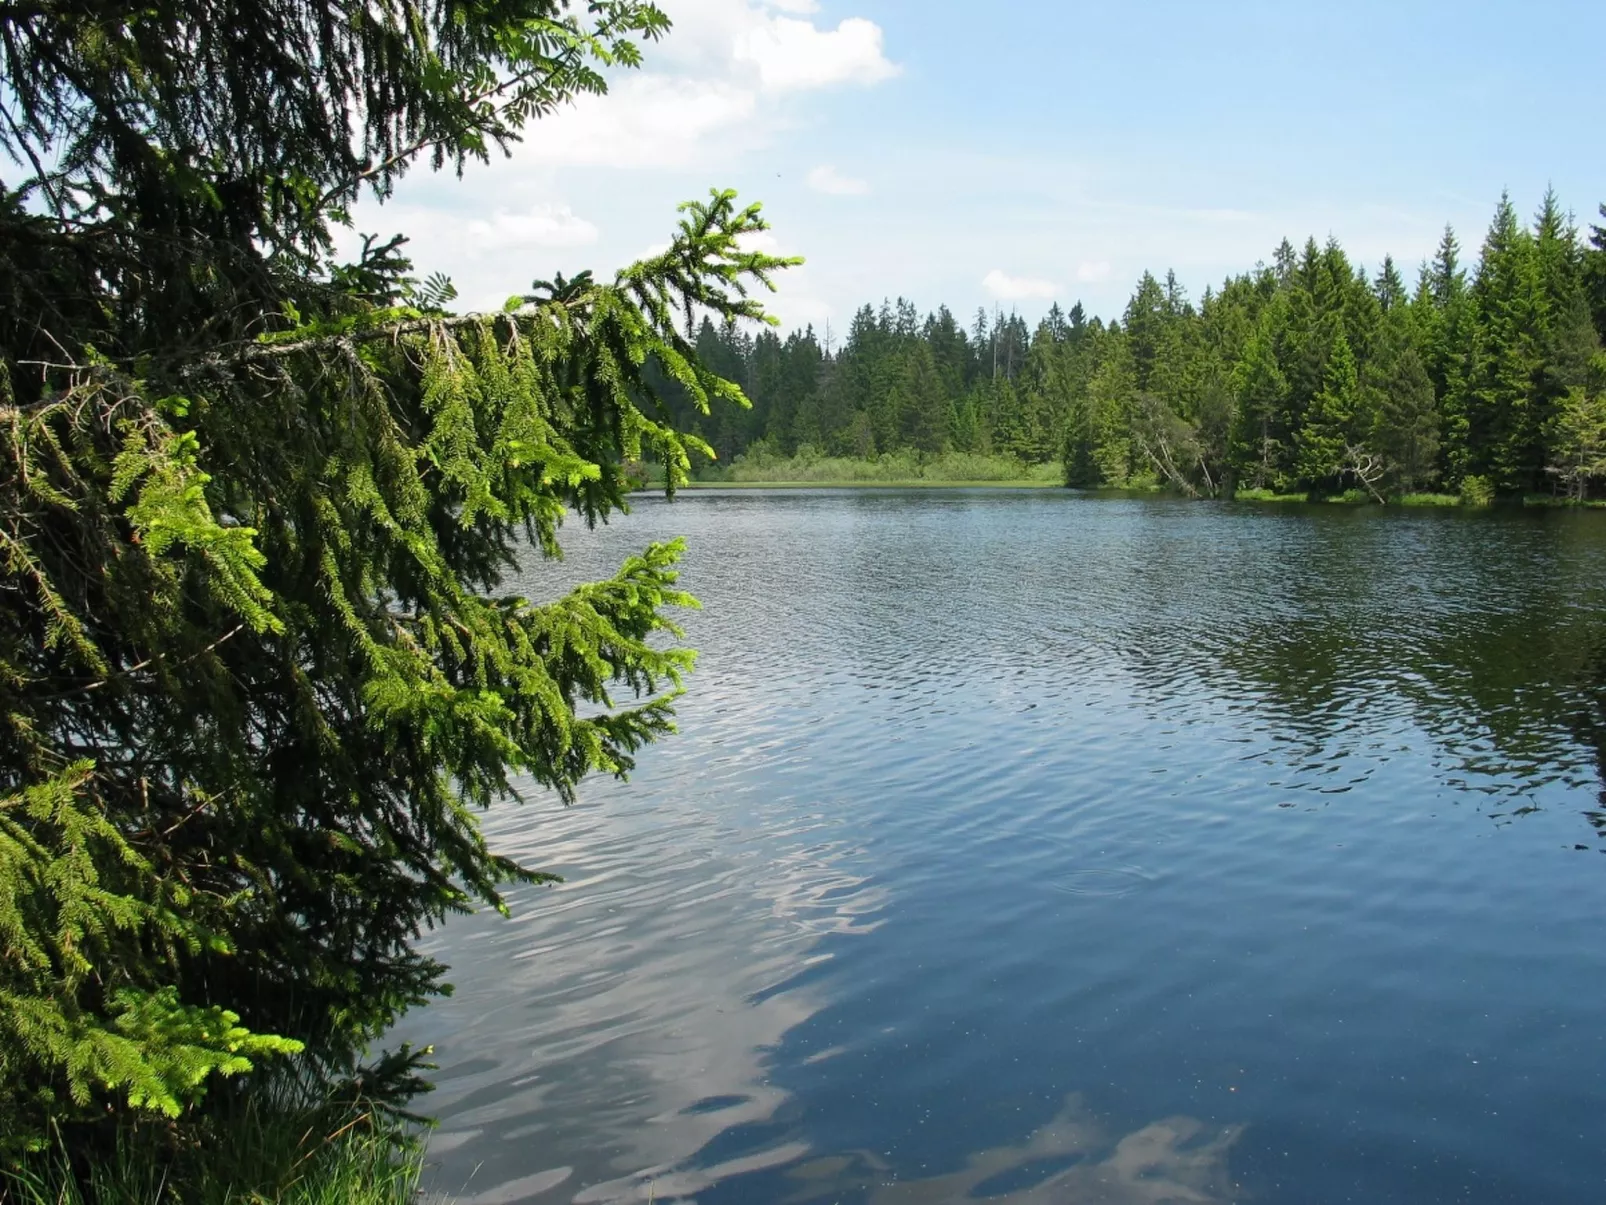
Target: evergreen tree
column 920, row 403
column 1326, row 434
column 1567, row 339
column 1595, row 276
column 257, row 664
column 1442, row 320
column 1578, row 442
column 1405, row 426
column 1144, row 320
column 1390, row 286
column 1101, row 438
column 1504, row 415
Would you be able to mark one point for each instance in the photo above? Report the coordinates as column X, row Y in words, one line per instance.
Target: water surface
column 1029, row 848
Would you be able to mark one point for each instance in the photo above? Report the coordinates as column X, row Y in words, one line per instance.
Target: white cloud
column 828, row 180
column 1017, row 288
column 1091, row 271
column 761, row 240
column 541, row 226
column 714, row 88
column 791, row 54
column 643, row 121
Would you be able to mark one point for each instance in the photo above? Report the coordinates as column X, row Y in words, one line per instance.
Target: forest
column 1309, row 374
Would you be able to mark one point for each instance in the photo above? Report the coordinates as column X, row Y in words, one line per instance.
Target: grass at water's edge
column 761, row 469
column 917, row 483
column 315, row 1156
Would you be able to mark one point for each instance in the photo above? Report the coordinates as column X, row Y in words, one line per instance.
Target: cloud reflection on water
column 671, row 962
column 1073, row 1159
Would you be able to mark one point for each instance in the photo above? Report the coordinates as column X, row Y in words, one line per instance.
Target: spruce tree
column 1594, row 269
column 919, row 401
column 1442, row 321
column 1390, row 286
column 1567, row 341
column 1503, row 412
column 1404, row 427
column 1577, row 438
column 257, row 664
column 1326, row 433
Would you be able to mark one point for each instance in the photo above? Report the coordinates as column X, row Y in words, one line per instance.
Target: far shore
column 909, row 484
column 1267, row 497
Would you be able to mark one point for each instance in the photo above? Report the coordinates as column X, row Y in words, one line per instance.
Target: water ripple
column 1002, row 825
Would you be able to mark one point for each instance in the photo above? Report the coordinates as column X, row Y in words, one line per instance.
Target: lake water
column 1031, row 848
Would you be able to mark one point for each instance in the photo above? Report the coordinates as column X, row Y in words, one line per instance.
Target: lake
column 1034, row 848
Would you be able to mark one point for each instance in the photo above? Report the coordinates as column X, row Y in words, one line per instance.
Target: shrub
column 1477, row 491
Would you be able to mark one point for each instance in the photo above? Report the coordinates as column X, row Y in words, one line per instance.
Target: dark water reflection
column 1028, row 848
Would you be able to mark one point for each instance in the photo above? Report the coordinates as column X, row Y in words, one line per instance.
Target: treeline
column 1306, row 374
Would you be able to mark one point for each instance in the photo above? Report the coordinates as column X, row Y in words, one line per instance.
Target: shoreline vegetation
column 760, row 468
column 259, row 1151
column 910, row 470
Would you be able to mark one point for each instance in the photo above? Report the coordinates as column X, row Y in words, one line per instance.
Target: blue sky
column 1026, row 151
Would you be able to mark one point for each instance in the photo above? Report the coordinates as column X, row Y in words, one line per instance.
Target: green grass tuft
column 1268, row 496
column 308, row 1156
column 1429, row 499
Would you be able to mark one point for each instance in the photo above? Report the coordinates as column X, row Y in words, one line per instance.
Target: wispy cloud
column 1017, row 288
column 828, row 180
column 1092, row 271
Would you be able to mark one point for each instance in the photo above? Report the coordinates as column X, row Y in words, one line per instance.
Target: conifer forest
column 1475, row 374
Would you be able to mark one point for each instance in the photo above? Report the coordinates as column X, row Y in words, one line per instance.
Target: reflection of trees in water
column 1510, row 685
column 1590, row 730
column 1502, row 694
column 1072, row 1160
